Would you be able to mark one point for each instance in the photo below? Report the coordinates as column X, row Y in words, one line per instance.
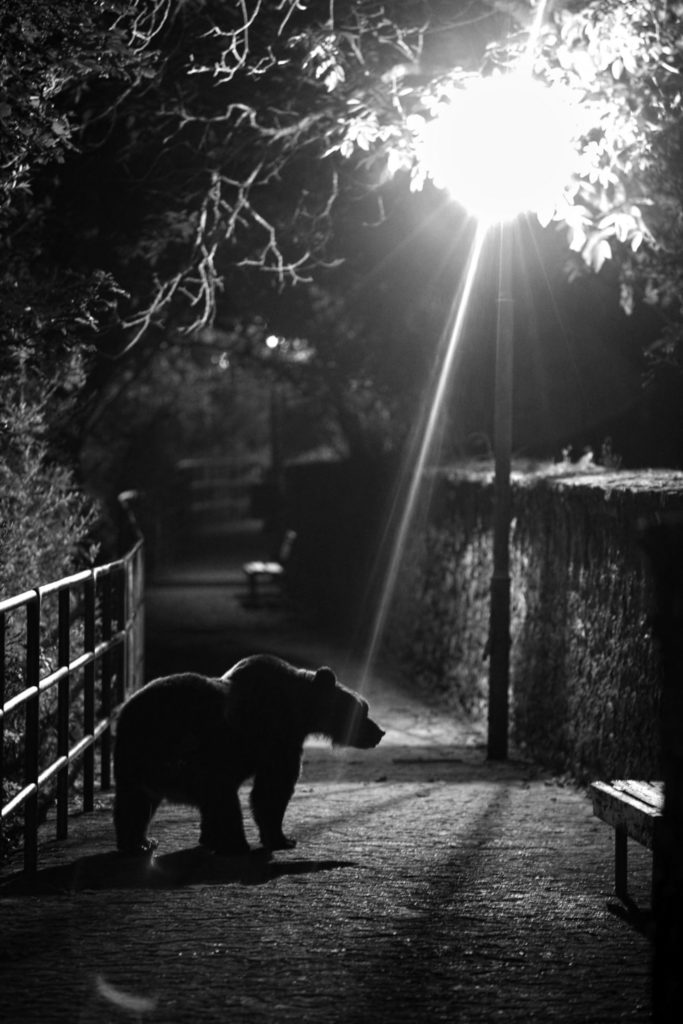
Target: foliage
column 233, row 135
column 167, row 403
column 45, row 522
column 51, row 304
column 47, row 527
column 353, row 86
column 346, row 343
column 620, row 62
column 206, row 138
column 50, row 53
column 180, row 159
column 51, row 56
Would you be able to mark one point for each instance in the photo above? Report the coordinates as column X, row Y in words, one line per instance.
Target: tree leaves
column 623, row 62
column 227, row 135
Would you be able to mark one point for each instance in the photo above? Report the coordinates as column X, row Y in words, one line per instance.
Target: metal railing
column 70, row 651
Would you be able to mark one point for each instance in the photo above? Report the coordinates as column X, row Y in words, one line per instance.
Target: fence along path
column 70, row 651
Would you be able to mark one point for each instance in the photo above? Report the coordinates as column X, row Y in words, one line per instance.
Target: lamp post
column 499, row 617
column 501, row 147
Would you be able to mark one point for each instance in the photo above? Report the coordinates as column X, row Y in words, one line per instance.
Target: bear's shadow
column 192, row 866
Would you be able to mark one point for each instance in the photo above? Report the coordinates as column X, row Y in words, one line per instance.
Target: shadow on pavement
column 193, row 866
column 641, row 919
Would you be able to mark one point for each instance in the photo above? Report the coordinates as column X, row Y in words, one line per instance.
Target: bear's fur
column 191, row 739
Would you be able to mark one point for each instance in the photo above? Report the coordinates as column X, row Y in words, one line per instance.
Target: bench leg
column 621, row 862
column 657, row 876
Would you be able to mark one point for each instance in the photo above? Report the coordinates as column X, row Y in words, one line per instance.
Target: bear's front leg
column 133, row 810
column 270, row 796
column 222, row 828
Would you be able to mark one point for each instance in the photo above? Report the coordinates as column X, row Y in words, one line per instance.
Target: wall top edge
column 560, row 477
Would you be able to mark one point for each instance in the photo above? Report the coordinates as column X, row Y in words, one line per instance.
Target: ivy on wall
column 584, row 664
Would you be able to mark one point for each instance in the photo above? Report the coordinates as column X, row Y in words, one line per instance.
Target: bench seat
column 634, row 809
column 270, row 570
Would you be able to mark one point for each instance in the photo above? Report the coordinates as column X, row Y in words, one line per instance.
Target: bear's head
column 344, row 714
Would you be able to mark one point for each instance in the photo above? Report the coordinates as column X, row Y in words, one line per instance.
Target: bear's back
column 169, row 696
column 164, row 712
column 271, row 696
column 260, row 706
column 270, row 674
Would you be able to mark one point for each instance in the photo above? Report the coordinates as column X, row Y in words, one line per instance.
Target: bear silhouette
column 194, row 740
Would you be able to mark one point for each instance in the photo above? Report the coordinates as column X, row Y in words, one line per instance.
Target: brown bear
column 192, row 739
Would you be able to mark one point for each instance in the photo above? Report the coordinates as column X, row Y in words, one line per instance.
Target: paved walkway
column 428, row 885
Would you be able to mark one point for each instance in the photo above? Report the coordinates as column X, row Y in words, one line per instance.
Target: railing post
column 63, row 702
column 105, row 743
column 32, row 733
column 121, row 626
column 2, row 719
column 129, row 641
column 89, row 693
column 134, row 620
column 139, row 616
column 112, row 624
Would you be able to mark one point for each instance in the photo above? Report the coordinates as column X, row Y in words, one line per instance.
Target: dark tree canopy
column 170, row 142
column 169, row 165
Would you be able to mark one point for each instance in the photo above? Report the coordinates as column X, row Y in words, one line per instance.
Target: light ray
column 424, row 441
column 527, row 59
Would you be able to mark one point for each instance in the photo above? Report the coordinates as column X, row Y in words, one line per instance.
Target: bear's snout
column 374, row 733
column 368, row 735
column 346, row 721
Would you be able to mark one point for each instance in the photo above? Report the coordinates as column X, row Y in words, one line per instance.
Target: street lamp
column 501, row 146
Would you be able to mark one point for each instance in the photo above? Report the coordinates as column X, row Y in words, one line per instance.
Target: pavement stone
column 428, row 884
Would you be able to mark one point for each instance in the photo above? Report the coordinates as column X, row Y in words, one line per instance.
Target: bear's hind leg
column 133, row 811
column 269, row 799
column 222, row 827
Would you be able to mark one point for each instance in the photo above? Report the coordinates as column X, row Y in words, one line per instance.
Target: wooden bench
column 634, row 809
column 258, row 572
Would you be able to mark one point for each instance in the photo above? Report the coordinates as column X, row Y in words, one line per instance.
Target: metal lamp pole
column 499, row 622
column 516, row 114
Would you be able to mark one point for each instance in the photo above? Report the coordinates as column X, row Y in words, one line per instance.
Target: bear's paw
column 282, row 842
column 145, row 848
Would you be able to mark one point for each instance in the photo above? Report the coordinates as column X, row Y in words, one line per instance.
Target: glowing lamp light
column 501, row 146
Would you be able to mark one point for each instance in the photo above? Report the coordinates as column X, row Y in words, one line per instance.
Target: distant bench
column 634, row 809
column 258, row 572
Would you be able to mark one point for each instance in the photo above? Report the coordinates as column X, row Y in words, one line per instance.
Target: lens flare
column 423, row 442
column 501, row 146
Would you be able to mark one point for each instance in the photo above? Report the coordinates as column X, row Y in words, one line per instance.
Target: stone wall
column 584, row 666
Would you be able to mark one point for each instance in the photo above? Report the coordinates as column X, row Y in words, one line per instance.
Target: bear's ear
column 325, row 677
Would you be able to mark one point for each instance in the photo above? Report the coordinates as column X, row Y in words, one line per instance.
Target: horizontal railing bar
column 18, row 700
column 88, row 740
column 59, row 765
column 134, row 551
column 52, row 769
column 80, row 577
column 112, row 597
column 107, row 568
column 45, row 684
column 18, row 800
column 10, row 603
column 89, row 656
column 81, row 661
column 66, row 581
column 53, row 678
